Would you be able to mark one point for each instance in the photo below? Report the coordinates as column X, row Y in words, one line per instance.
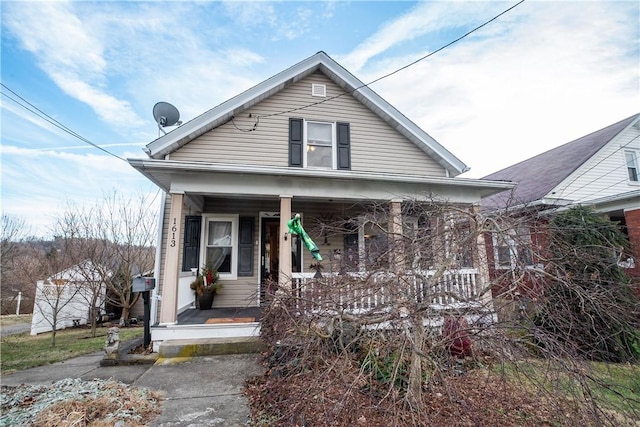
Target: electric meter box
column 143, row 284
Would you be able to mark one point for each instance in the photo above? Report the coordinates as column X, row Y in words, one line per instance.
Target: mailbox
column 143, row 284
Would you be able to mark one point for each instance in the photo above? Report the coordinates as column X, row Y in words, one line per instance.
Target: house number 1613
column 174, row 228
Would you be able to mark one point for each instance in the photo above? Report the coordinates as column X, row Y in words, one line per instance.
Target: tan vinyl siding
column 163, row 252
column 375, row 146
column 242, row 292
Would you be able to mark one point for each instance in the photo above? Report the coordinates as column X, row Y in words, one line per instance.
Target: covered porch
column 252, row 209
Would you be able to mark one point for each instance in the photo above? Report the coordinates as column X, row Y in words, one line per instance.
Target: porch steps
column 179, row 348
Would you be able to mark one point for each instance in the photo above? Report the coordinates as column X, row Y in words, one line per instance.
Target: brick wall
column 632, row 219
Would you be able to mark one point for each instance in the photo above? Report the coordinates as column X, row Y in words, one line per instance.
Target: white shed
column 69, row 294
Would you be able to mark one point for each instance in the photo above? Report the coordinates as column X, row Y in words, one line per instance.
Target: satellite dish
column 165, row 115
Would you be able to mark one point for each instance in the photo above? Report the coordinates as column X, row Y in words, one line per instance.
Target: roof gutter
column 146, row 166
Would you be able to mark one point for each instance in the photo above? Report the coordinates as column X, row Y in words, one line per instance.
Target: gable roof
column 537, row 176
column 319, row 62
column 84, row 271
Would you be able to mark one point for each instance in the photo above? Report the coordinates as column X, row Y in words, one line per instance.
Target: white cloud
column 251, row 14
column 52, row 32
column 70, row 53
column 283, row 23
column 527, row 88
column 37, row 184
column 425, row 18
column 23, row 122
column 242, row 57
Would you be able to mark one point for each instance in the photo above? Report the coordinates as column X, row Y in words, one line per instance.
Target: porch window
column 221, row 246
column 464, row 245
column 513, row 248
column 376, row 245
column 631, row 158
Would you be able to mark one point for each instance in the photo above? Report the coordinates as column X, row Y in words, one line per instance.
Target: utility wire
column 591, row 168
column 395, row 71
column 38, row 112
column 590, row 196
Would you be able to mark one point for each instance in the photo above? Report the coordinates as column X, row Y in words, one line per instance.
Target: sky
column 541, row 75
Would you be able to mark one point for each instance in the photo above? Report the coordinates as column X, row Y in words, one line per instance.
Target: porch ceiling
column 259, row 181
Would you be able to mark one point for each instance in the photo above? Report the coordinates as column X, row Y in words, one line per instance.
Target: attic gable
column 375, row 145
column 319, row 62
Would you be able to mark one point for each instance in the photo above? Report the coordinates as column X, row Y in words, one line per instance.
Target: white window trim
column 234, row 247
column 513, row 252
column 636, row 154
column 334, row 153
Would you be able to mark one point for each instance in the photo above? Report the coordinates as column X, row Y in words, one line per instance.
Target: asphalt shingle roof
column 538, row 175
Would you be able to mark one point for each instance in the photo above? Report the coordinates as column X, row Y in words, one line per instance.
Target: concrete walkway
column 199, row 391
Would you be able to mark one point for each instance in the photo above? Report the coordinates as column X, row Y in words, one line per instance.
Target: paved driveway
column 18, row 328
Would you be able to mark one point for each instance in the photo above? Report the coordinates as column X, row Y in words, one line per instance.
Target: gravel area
column 71, row 402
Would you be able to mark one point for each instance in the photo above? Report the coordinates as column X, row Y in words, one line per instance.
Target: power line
column 590, row 196
column 391, row 73
column 591, row 168
column 38, row 112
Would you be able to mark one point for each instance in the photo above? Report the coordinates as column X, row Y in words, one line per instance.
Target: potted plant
column 206, row 286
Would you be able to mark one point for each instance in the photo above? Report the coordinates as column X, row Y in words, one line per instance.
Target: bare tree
column 130, row 224
column 55, row 302
column 117, row 235
column 409, row 327
column 76, row 226
column 14, row 231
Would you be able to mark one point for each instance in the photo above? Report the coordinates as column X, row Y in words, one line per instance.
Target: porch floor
column 194, row 316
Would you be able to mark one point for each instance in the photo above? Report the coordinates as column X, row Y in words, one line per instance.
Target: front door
column 269, row 252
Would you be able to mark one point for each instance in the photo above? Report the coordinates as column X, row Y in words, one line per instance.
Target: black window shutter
column 245, row 246
column 344, row 146
column 295, row 142
column 191, row 242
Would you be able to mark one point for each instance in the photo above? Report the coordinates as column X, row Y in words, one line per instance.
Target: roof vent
column 318, row 90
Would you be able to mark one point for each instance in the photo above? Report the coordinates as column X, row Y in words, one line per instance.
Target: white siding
column 604, row 174
column 375, row 146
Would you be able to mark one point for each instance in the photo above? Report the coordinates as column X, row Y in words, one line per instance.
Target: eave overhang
column 230, row 179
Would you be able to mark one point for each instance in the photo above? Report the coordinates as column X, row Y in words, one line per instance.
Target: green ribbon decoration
column 295, row 227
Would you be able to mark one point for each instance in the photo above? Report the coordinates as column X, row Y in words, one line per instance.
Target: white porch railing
column 361, row 292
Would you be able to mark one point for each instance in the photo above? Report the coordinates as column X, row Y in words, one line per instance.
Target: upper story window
column 631, row 159
column 319, row 144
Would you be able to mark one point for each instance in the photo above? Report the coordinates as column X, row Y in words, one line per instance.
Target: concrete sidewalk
column 199, row 391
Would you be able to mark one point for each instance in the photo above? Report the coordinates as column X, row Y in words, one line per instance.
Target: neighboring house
column 599, row 170
column 312, row 140
column 68, row 294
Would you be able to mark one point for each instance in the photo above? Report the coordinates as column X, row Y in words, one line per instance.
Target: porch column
column 169, row 291
column 481, row 262
column 284, row 253
column 398, row 256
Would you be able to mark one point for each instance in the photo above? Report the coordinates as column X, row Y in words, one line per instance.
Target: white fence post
column 19, row 302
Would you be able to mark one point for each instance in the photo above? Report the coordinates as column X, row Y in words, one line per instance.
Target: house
column 599, row 170
column 312, row 140
column 64, row 300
